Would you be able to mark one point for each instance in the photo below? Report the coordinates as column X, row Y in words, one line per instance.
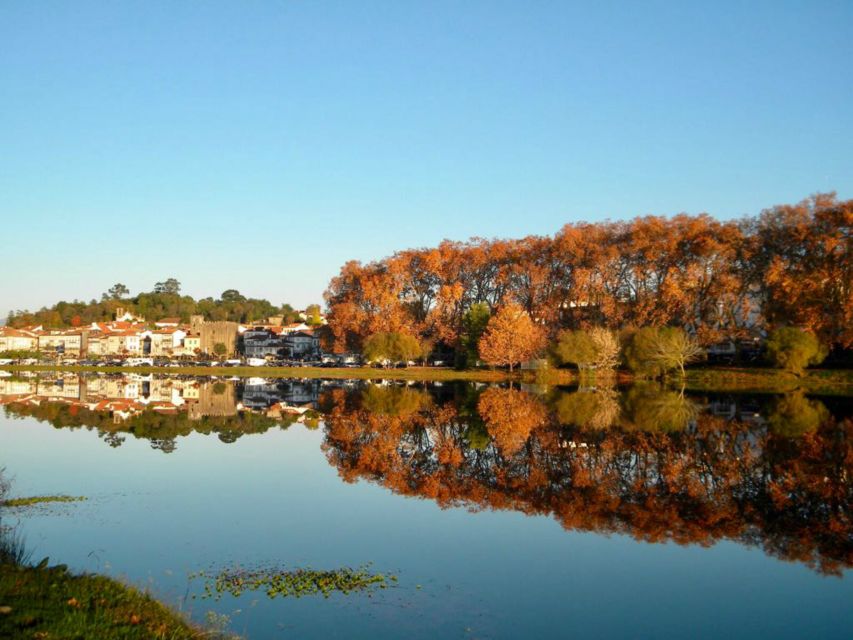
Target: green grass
column 51, row 603
column 34, row 500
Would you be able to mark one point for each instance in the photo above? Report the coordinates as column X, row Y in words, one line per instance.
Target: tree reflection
column 795, row 415
column 651, row 407
column 510, row 416
column 648, row 476
column 651, row 462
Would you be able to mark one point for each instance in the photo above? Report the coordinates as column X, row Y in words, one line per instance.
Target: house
column 163, row 342
column 63, row 342
column 167, row 323
column 126, row 342
column 263, row 341
column 17, row 340
column 295, row 327
column 302, row 344
column 97, row 344
column 192, row 344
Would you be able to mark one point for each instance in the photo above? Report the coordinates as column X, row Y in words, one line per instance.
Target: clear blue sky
column 259, row 145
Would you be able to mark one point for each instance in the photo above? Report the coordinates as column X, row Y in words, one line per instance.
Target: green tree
column 232, row 295
column 793, row 349
column 378, row 348
column 639, row 350
column 170, row 285
column 577, row 348
column 406, row 347
column 220, row 349
column 673, row 348
column 653, row 351
column 116, row 292
column 313, row 315
column 385, row 348
column 474, row 324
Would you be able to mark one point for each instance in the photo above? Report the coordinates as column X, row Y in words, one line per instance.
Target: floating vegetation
column 34, row 500
column 294, row 583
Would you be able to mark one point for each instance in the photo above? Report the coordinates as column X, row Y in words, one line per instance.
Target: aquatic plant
column 34, row 500
column 296, row 583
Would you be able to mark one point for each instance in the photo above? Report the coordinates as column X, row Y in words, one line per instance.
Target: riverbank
column 424, row 374
column 51, row 602
column 708, row 379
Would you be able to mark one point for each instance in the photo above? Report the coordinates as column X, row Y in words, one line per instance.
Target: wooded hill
column 164, row 301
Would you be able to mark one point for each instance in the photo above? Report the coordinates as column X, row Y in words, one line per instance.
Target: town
column 130, row 339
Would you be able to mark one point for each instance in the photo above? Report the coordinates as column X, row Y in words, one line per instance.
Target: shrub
column 575, row 347
column 392, row 347
column 793, row 349
column 638, row 351
column 597, row 348
column 654, row 351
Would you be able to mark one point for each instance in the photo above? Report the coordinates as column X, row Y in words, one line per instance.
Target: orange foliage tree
column 790, row 265
column 510, row 337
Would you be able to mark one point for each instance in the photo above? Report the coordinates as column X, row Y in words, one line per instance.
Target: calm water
column 505, row 513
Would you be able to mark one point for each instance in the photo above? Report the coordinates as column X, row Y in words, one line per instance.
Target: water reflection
column 654, row 463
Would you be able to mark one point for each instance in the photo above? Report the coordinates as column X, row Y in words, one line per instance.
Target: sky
column 261, row 145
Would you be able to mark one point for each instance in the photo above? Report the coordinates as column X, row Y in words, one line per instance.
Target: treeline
column 789, row 266
column 163, row 301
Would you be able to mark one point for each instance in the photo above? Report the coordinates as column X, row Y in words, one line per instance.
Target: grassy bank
column 710, row 379
column 43, row 602
column 360, row 373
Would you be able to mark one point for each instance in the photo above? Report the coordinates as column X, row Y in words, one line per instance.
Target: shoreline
column 711, row 379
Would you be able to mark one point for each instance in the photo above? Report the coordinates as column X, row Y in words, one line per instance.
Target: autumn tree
column 607, row 348
column 805, row 256
column 793, row 349
column 717, row 280
column 510, row 337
